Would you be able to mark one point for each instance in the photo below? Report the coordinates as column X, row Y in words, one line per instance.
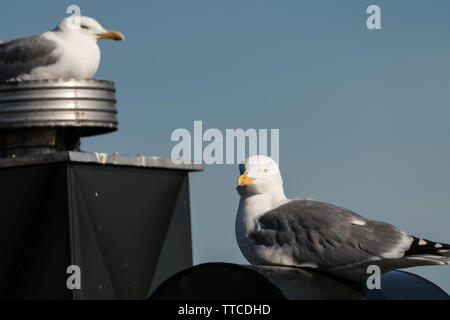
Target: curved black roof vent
column 225, row 281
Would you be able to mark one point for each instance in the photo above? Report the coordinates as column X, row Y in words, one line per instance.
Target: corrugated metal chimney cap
column 87, row 104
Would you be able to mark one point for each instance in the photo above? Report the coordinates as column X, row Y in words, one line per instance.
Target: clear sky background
column 363, row 115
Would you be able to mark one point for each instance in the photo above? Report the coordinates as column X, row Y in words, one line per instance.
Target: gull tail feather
column 421, row 253
column 424, row 253
column 426, row 250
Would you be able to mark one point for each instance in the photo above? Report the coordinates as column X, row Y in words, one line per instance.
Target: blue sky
column 363, row 115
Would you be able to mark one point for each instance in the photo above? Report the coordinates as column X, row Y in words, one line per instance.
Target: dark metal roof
column 97, row 158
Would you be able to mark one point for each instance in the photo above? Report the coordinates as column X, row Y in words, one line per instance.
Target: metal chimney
column 123, row 220
column 50, row 116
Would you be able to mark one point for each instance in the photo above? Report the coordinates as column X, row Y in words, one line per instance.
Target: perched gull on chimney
column 274, row 230
column 68, row 52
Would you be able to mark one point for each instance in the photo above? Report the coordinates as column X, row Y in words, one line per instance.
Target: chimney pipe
column 51, row 116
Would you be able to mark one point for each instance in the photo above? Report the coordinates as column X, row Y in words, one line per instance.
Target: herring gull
column 70, row 51
column 274, row 230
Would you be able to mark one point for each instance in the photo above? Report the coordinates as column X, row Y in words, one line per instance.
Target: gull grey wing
column 21, row 56
column 329, row 236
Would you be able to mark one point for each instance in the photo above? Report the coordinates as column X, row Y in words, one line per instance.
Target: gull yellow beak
column 245, row 179
column 112, row 35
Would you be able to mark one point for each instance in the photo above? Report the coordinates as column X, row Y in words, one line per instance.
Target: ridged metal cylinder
column 50, row 116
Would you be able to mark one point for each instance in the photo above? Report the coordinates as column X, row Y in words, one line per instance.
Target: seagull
column 70, row 51
column 274, row 230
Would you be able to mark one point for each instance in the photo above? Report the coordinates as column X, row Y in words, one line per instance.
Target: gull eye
column 84, row 27
column 266, row 171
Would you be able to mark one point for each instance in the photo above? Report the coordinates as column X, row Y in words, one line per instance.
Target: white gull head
column 79, row 53
column 260, row 175
column 87, row 27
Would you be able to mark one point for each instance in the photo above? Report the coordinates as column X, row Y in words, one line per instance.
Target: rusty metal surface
column 97, row 158
column 90, row 104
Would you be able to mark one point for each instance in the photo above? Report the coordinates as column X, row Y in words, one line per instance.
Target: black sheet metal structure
column 124, row 221
column 120, row 219
column 226, row 281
